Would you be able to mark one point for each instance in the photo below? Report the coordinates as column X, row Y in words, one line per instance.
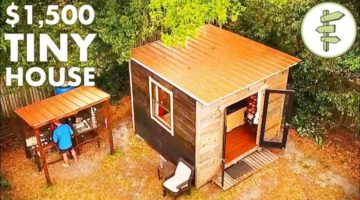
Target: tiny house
column 214, row 102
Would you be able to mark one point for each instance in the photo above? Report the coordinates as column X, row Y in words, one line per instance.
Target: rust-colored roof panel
column 43, row 112
column 213, row 65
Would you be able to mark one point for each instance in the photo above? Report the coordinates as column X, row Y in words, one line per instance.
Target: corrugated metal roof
column 215, row 64
column 43, row 112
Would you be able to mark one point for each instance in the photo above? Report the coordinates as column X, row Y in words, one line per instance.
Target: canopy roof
column 43, row 112
column 215, row 64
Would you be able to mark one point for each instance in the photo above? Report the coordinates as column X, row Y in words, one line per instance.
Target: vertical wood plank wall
column 208, row 142
column 209, row 130
column 182, row 144
column 15, row 98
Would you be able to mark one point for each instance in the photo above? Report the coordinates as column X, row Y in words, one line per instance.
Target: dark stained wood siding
column 182, row 144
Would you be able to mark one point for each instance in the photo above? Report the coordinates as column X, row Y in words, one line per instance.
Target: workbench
column 47, row 111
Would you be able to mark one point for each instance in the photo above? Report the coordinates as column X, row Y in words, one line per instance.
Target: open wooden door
column 276, row 113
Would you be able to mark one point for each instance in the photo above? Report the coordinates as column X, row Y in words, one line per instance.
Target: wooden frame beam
column 23, row 138
column 109, row 126
column 58, row 107
column 224, row 148
column 42, row 156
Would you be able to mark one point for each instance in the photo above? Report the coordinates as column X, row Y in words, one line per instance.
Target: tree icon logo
column 336, row 25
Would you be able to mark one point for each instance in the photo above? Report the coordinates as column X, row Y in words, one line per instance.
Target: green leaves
column 180, row 20
column 116, row 28
column 324, row 87
column 278, row 3
column 4, row 183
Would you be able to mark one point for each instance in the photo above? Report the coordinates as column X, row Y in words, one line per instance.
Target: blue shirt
column 62, row 136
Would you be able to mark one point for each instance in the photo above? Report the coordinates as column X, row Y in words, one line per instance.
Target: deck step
column 255, row 161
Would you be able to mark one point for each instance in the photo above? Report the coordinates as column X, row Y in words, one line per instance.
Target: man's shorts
column 66, row 150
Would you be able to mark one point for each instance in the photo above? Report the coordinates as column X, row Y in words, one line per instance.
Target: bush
column 4, row 183
column 115, row 81
column 323, row 87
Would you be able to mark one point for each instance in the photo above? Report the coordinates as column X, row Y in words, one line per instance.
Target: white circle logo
column 328, row 30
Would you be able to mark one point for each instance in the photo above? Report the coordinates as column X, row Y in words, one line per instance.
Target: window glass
column 161, row 105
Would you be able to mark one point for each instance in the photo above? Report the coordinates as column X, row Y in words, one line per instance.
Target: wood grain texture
column 255, row 160
column 43, row 112
column 209, row 138
column 239, row 141
column 12, row 99
column 182, row 144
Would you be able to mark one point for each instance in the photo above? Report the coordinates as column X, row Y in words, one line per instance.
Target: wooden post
column 42, row 157
column 109, row 126
column 132, row 96
column 23, row 138
column 224, row 148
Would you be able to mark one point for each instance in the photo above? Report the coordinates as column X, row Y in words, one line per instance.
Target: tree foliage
column 118, row 24
column 100, row 54
column 323, row 87
column 180, row 20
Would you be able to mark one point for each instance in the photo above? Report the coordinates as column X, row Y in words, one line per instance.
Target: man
column 62, row 137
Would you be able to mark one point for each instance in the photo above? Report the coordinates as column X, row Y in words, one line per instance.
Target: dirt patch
column 122, row 133
column 341, row 152
column 253, row 192
column 303, row 171
column 329, row 178
column 121, row 110
column 88, row 162
column 314, row 171
column 344, row 150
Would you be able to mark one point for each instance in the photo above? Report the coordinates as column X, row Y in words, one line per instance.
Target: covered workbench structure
column 47, row 111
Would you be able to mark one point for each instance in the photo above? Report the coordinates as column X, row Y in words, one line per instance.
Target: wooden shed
column 215, row 102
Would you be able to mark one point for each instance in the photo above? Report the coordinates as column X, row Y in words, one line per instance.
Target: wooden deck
column 255, row 161
column 239, row 141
